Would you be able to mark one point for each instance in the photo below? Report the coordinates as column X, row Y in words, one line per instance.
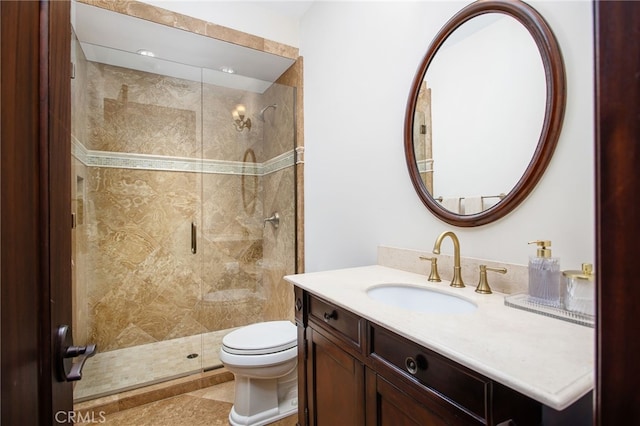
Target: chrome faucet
column 457, row 276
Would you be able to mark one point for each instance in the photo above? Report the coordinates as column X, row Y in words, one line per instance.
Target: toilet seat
column 261, row 338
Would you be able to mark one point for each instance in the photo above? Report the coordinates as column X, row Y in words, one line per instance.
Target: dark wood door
column 617, row 66
column 335, row 383
column 35, row 208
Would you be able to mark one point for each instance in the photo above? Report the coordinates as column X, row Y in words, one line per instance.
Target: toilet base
column 262, row 401
column 264, row 417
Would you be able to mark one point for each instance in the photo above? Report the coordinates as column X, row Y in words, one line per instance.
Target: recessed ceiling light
column 228, row 70
column 145, row 52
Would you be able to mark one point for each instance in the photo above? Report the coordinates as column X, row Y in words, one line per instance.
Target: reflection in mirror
column 479, row 113
column 485, row 112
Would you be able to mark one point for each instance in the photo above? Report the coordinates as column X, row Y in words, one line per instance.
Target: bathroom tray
column 527, row 303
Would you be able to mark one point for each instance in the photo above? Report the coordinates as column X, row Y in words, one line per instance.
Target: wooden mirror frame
column 554, row 109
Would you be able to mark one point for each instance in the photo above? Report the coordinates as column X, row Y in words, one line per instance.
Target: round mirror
column 485, row 112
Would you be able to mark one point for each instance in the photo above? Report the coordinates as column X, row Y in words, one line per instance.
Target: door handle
column 194, row 236
column 65, row 351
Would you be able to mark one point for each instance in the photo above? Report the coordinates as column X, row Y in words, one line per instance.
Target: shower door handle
column 66, row 370
column 194, row 246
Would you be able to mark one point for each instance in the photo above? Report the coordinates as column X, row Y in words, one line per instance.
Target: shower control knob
column 274, row 220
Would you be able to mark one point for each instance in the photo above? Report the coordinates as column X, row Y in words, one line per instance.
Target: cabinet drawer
column 453, row 382
column 336, row 319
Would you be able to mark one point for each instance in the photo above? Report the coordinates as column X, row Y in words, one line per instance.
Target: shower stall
column 183, row 196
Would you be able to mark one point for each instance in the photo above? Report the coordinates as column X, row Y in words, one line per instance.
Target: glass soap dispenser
column 544, row 275
column 578, row 290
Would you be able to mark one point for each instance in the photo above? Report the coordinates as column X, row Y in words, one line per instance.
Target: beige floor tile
column 205, row 407
column 183, row 410
column 223, row 392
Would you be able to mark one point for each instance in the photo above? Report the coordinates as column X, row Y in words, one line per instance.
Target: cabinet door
column 387, row 405
column 335, row 383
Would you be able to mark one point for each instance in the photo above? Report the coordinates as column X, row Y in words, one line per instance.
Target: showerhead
column 274, row 106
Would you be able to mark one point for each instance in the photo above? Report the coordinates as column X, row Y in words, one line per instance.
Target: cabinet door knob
column 411, row 364
column 329, row 316
column 414, row 364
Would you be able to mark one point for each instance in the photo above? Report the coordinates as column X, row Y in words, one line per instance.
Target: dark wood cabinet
column 355, row 372
column 336, row 382
column 449, row 391
column 331, row 362
column 388, row 405
column 447, row 395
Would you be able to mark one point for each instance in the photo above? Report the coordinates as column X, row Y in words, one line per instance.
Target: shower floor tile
column 124, row 369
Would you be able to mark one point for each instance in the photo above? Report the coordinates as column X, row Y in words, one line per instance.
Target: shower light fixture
column 238, row 117
column 228, row 70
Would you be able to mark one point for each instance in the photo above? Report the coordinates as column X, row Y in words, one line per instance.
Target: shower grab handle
column 194, row 246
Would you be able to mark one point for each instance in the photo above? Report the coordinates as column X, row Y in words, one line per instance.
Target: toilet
column 263, row 358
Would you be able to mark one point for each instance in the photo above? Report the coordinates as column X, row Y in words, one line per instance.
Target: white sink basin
column 420, row 299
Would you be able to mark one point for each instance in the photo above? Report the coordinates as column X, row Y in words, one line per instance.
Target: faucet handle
column 483, row 284
column 433, row 275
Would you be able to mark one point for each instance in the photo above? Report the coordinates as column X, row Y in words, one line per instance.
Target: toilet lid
column 261, row 338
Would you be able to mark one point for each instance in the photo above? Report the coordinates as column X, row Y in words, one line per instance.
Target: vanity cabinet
column 331, row 356
column 336, row 382
column 355, row 372
column 438, row 390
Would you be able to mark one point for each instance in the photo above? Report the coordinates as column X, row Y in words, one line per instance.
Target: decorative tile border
column 120, row 160
column 425, row 166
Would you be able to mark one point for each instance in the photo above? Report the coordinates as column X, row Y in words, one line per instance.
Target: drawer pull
column 411, row 364
column 414, row 364
column 329, row 316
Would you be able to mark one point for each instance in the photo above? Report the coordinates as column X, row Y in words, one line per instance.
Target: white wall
column 360, row 60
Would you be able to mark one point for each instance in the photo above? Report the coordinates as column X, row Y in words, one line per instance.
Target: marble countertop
column 549, row 360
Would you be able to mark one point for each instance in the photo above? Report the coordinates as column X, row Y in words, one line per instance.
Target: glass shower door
column 248, row 202
column 137, row 277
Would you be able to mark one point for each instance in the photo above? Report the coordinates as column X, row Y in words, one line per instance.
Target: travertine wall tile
column 145, row 283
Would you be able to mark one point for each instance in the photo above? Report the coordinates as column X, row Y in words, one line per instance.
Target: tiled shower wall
column 136, row 280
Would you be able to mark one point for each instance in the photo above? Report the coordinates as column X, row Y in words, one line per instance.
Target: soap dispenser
column 544, row 275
